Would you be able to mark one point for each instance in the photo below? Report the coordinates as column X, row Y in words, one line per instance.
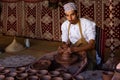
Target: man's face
column 71, row 16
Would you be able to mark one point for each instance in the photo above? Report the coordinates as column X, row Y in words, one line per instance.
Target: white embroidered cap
column 70, row 6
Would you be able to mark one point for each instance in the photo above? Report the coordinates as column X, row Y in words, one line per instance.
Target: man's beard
column 73, row 21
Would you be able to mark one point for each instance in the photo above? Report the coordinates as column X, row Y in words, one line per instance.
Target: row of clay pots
column 21, row 73
column 24, row 73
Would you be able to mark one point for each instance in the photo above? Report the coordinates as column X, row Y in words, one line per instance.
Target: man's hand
column 74, row 49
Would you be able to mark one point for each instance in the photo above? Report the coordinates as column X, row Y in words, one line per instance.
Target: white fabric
column 88, row 31
column 69, row 6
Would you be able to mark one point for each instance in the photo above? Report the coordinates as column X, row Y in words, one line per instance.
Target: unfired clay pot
column 107, row 75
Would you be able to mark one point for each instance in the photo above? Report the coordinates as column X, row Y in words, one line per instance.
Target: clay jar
column 107, row 75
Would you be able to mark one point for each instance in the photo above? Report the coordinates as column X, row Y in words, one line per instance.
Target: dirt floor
column 37, row 47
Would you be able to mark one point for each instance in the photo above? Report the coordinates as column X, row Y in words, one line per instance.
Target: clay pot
column 107, row 75
column 45, row 77
column 5, row 71
column 2, row 77
column 33, row 78
column 67, row 76
column 57, row 78
column 9, row 78
column 54, row 73
column 32, row 72
column 43, row 72
column 22, row 75
column 12, row 74
column 20, row 69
